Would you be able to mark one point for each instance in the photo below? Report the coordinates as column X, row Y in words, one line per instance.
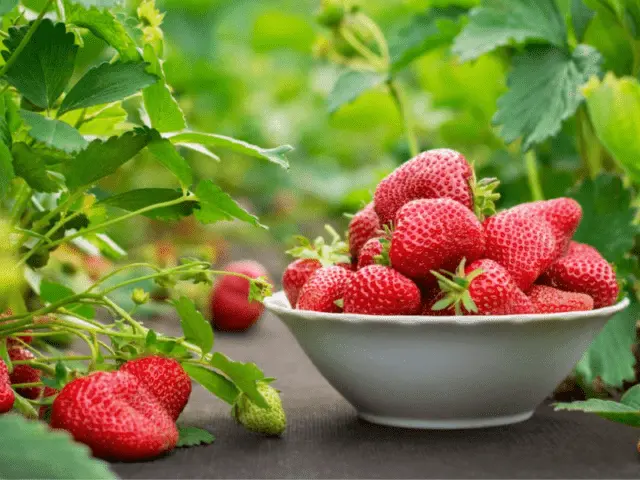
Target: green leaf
column 626, row 411
column 196, row 329
column 144, row 197
column 606, row 197
column 544, row 90
column 496, row 23
column 102, row 158
column 33, row 450
column 164, row 151
column 54, row 133
column 423, row 33
column 164, row 112
column 581, row 16
column 192, row 436
column 6, row 169
column 609, row 356
column 107, row 83
column 52, row 292
column 5, row 129
column 244, row 375
column 215, row 383
column 614, row 109
column 99, row 120
column 216, row 205
column 7, row 5
column 350, row 85
column 104, row 25
column 43, row 69
column 32, row 166
column 275, row 155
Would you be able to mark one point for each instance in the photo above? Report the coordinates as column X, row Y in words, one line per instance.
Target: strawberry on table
column 481, row 288
column 562, row 214
column 325, row 287
column 230, row 305
column 521, row 244
column 440, row 173
column 7, row 397
column 116, row 416
column 584, row 270
column 433, row 234
column 363, row 226
column 165, row 379
column 551, row 300
column 380, row 290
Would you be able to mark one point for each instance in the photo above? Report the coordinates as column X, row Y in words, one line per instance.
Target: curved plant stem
column 407, row 119
column 533, row 175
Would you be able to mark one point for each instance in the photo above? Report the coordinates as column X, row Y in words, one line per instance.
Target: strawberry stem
column 455, row 287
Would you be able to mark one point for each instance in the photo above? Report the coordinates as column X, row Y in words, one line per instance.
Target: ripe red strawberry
column 165, row 379
column 7, row 396
column 523, row 245
column 551, row 300
column 364, row 225
column 116, row 416
column 584, row 270
column 434, row 234
column 577, row 248
column 325, row 286
column 380, row 290
column 440, row 173
column 230, row 305
column 521, row 303
column 482, row 288
column 24, row 373
column 370, row 250
column 296, row 275
column 562, row 214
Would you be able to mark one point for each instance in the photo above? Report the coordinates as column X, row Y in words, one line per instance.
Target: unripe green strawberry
column 267, row 421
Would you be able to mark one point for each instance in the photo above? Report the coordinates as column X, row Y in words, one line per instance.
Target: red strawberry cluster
column 424, row 246
column 129, row 414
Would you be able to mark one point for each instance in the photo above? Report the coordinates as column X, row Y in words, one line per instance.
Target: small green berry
column 267, row 421
column 139, row 296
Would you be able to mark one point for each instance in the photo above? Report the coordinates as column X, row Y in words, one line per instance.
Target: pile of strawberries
column 424, row 246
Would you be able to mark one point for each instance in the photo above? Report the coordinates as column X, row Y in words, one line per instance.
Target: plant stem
column 533, row 176
column 378, row 35
column 406, row 115
column 588, row 144
column 22, row 199
column 25, row 40
column 363, row 50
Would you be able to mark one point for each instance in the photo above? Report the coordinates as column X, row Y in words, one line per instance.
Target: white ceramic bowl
column 443, row 372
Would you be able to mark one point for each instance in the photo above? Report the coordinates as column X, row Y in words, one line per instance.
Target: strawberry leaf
column 107, row 83
column 215, row 383
column 6, row 169
column 626, row 411
column 55, row 133
column 216, row 205
column 544, row 90
column 144, row 197
column 244, row 375
column 102, row 158
column 50, row 453
column 350, row 85
column 31, row 166
column 192, row 436
column 53, row 292
column 196, row 329
column 43, row 69
column 164, row 151
column 496, row 23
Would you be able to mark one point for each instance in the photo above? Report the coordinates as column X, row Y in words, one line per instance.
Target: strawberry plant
column 70, row 117
column 571, row 85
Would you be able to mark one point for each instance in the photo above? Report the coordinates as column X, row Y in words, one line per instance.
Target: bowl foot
column 453, row 424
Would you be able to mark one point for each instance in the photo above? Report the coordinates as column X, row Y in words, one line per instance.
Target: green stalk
column 588, row 144
column 533, row 176
column 407, row 119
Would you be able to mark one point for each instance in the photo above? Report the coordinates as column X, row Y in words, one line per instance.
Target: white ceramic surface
column 443, row 372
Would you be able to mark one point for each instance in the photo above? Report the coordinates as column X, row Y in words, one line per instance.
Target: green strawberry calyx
column 484, row 195
column 327, row 253
column 455, row 289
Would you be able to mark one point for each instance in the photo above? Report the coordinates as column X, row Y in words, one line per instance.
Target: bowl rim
column 278, row 304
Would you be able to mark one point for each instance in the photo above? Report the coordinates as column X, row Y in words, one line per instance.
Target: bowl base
column 453, row 424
